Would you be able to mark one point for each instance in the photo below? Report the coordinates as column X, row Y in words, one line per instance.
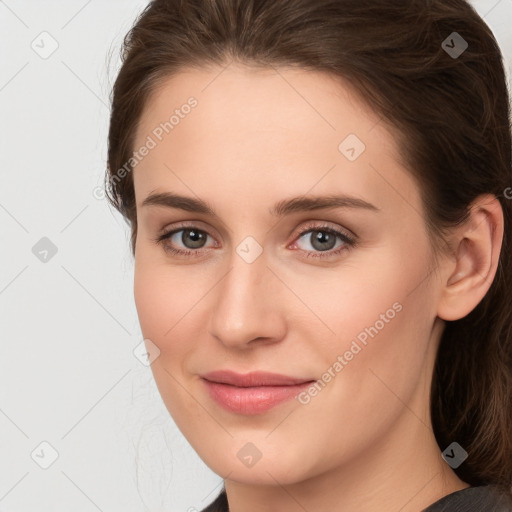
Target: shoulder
column 474, row 499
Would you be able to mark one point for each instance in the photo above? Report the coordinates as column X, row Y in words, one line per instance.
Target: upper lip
column 257, row 378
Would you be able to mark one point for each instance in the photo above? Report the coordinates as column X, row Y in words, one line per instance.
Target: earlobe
column 478, row 244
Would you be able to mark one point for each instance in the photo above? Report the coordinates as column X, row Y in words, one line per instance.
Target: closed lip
column 253, row 379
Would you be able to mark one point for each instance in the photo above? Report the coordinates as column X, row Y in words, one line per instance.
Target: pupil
column 323, row 241
column 195, row 238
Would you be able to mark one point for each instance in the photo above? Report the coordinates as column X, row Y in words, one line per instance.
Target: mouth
column 252, row 393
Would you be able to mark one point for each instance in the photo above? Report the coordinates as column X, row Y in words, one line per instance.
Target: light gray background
column 68, row 375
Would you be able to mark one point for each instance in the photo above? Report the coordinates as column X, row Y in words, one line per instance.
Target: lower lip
column 253, row 400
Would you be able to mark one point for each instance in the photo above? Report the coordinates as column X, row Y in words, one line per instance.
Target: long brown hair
column 449, row 107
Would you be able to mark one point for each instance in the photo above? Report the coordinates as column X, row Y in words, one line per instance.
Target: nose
column 248, row 305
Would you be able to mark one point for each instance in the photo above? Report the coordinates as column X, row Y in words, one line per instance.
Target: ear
column 469, row 275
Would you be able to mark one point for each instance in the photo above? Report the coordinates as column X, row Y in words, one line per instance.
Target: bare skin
column 365, row 441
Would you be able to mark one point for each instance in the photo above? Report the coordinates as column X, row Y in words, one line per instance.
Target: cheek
column 165, row 303
column 387, row 370
column 380, row 314
column 172, row 304
column 152, row 298
column 367, row 298
column 162, row 297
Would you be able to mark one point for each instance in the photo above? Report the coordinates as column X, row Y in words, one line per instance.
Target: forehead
column 261, row 99
column 278, row 128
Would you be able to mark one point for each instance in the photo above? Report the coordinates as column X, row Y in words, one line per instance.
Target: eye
column 323, row 241
column 183, row 241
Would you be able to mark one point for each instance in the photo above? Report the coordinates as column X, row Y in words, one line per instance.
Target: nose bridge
column 245, row 308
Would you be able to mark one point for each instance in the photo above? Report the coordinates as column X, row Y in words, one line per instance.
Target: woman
column 319, row 200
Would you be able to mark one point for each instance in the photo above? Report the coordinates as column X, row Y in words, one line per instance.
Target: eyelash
column 348, row 241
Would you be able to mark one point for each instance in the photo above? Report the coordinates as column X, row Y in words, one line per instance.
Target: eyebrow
column 280, row 209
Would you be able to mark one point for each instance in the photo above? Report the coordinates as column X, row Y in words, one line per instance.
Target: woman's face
column 303, row 252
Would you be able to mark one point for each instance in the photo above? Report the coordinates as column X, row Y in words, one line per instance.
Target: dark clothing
column 219, row 505
column 472, row 499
